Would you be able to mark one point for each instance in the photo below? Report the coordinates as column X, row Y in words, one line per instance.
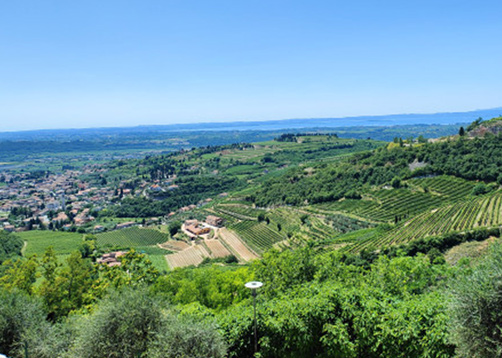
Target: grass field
column 159, row 261
column 63, row 242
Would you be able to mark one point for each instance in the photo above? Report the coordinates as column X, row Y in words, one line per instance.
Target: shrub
column 19, row 314
column 476, row 309
column 132, row 323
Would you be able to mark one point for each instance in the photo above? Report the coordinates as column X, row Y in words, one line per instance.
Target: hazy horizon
column 273, row 124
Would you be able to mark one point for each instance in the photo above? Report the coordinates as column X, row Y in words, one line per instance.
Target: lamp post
column 253, row 285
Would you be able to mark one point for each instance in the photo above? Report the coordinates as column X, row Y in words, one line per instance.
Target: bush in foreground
column 476, row 309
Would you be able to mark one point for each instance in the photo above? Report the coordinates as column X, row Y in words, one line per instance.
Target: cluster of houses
column 64, row 201
column 45, row 200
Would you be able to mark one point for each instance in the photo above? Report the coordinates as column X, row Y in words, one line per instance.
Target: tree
column 18, row 314
column 174, row 227
column 10, row 246
column 421, row 139
column 66, row 288
column 20, row 274
column 396, row 182
column 476, row 309
column 461, row 131
column 135, row 269
column 134, row 322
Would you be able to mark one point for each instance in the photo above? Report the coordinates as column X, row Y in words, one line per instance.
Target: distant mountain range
column 383, row 120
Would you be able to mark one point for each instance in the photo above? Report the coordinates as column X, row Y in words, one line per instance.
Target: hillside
column 300, row 188
column 390, row 196
column 358, row 244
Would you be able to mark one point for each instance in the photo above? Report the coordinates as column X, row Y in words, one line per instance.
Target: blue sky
column 71, row 64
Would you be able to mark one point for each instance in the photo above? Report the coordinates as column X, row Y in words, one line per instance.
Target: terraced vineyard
column 239, row 211
column 259, row 236
column 235, row 244
column 191, row 256
column 399, row 202
column 479, row 212
column 449, row 187
column 217, row 249
column 386, row 205
column 131, row 237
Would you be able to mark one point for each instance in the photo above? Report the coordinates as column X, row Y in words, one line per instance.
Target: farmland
column 257, row 235
column 194, row 254
column 191, row 256
column 477, row 212
column 236, row 245
column 62, row 242
column 131, row 237
column 143, row 240
column 217, row 249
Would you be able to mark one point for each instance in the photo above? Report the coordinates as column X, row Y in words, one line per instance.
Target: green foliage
column 174, row 227
column 135, row 269
column 282, row 270
column 480, row 189
column 341, row 311
column 123, row 325
column 210, row 286
column 188, row 337
column 476, row 308
column 10, row 246
column 192, row 188
column 19, row 314
column 66, row 288
column 19, row 274
column 135, row 322
column 477, row 159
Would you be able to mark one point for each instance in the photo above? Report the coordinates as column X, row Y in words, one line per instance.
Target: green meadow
column 38, row 241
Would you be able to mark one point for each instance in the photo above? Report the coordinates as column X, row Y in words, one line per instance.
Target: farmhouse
column 9, row 228
column 214, row 220
column 125, row 225
column 195, row 228
column 111, row 259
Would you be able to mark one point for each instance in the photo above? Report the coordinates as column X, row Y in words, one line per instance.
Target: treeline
column 476, row 159
column 191, row 190
column 290, row 137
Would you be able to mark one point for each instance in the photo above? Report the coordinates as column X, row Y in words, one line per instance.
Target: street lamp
column 253, row 285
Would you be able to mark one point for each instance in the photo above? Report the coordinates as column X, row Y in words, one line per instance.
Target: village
column 65, row 201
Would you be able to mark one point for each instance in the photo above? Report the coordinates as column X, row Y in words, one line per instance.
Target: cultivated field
column 217, row 249
column 38, row 241
column 131, row 237
column 236, row 245
column 191, row 256
column 478, row 212
column 258, row 236
column 175, row 245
